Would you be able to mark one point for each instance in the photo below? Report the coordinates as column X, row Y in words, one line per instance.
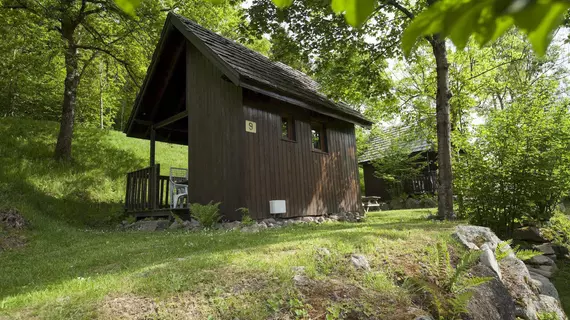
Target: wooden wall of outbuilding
column 215, row 135
column 239, row 169
column 312, row 183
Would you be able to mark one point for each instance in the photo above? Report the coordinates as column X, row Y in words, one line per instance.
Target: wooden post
column 153, row 170
column 152, row 146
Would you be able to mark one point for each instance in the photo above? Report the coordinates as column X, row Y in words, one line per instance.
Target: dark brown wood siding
column 374, row 186
column 215, row 135
column 312, row 183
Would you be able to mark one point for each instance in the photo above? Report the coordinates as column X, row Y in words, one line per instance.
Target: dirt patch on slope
column 12, row 219
column 12, row 223
column 353, row 301
column 131, row 307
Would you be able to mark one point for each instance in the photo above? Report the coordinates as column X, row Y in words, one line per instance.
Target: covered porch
column 150, row 194
column 160, row 114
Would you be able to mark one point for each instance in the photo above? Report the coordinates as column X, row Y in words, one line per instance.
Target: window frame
column 322, row 137
column 291, row 132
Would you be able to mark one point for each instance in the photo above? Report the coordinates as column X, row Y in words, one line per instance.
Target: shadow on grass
column 84, row 192
column 88, row 254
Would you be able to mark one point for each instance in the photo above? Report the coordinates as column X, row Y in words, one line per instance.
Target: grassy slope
column 75, row 268
column 224, row 274
column 86, row 193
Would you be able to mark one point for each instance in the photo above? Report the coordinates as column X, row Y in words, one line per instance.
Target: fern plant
column 503, row 250
column 208, row 215
column 246, row 219
column 449, row 289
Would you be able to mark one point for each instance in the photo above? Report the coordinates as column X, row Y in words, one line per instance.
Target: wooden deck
column 148, row 195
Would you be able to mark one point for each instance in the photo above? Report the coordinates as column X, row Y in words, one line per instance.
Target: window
column 318, row 137
column 287, row 128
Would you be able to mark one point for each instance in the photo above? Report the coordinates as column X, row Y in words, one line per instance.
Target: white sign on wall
column 250, row 126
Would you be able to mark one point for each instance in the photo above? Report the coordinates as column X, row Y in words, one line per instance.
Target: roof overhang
column 173, row 23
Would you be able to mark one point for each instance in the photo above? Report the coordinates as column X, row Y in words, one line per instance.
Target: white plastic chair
column 178, row 186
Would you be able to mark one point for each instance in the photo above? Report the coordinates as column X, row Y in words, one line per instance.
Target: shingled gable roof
column 378, row 144
column 252, row 70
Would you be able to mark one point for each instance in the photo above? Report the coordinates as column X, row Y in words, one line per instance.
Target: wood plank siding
column 215, row 135
column 312, row 182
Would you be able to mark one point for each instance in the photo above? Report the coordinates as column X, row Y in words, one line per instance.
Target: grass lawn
column 75, row 266
column 71, row 273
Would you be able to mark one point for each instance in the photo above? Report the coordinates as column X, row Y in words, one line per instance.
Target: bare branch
column 87, row 63
column 114, row 56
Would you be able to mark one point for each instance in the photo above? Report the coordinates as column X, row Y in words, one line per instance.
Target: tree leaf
column 539, row 22
column 279, row 3
column 128, row 6
column 430, row 21
column 464, row 25
column 338, row 6
column 357, row 11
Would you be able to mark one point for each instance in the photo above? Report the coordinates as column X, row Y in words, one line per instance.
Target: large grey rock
column 269, row 221
column 491, row 300
column 176, row 225
column 516, row 279
column 384, row 206
column 191, row 224
column 151, row 225
column 544, row 285
column 545, row 248
column 473, row 237
column 548, row 304
column 531, row 234
column 360, row 262
column 547, row 271
column 323, row 252
column 540, row 261
column 254, row 228
column 231, row 225
column 488, row 259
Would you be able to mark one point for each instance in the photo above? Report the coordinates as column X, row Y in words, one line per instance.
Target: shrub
column 514, row 169
column 207, row 215
column 557, row 229
column 246, row 219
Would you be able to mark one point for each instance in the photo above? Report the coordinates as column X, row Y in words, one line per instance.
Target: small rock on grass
column 360, row 262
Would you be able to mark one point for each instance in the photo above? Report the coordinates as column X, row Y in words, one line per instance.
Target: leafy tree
column 86, row 28
column 92, row 52
column 322, row 34
column 516, row 168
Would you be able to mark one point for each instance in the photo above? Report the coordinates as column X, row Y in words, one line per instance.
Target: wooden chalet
column 256, row 131
column 424, row 183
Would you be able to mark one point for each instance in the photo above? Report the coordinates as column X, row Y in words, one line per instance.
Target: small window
column 318, row 137
column 287, row 128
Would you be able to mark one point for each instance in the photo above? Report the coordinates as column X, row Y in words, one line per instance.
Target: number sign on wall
column 250, row 126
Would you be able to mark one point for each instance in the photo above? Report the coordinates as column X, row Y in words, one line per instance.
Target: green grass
column 79, row 273
column 87, row 192
column 75, row 266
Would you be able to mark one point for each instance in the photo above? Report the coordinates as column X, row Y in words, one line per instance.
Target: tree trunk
column 445, row 176
column 101, row 95
column 63, row 146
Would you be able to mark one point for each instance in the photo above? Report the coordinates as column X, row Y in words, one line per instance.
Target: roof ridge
column 253, row 66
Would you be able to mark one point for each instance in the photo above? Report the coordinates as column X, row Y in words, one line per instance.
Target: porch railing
column 147, row 190
column 426, row 183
